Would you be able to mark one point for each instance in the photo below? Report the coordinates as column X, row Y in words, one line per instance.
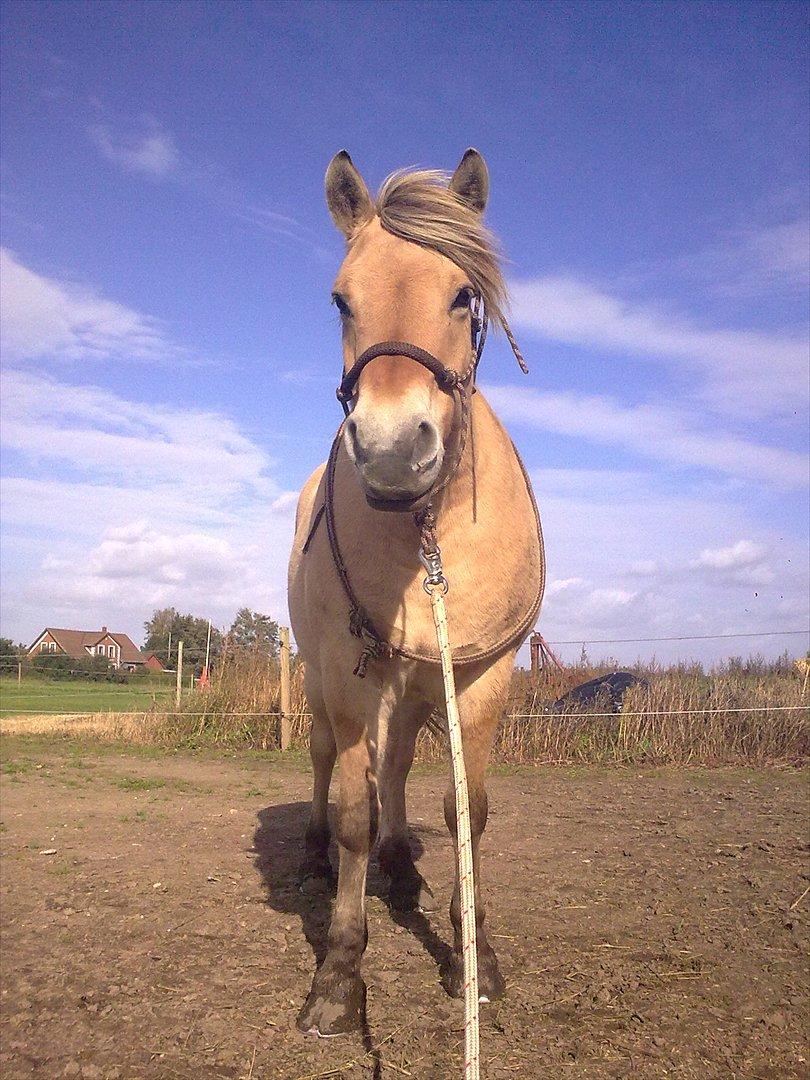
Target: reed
column 685, row 717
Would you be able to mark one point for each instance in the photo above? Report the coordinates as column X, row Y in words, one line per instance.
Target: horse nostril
column 426, row 447
column 360, row 454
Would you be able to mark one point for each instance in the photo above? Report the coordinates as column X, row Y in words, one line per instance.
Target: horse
column 419, row 459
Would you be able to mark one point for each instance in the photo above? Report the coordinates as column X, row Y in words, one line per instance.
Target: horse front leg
column 408, row 889
column 316, row 871
column 480, row 707
column 336, row 1001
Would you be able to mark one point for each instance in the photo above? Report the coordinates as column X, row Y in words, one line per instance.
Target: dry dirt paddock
column 650, row 924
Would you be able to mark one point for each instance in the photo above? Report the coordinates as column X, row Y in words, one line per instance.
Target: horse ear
column 347, row 195
column 470, row 181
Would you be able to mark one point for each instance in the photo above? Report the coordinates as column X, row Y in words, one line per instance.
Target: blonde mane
column 420, row 207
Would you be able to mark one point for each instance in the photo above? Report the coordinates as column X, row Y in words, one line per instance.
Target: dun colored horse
column 420, row 274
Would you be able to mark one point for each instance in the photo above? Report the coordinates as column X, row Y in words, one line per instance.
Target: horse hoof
column 315, row 876
column 427, row 901
column 334, row 1009
column 453, row 976
column 491, row 984
column 316, row 884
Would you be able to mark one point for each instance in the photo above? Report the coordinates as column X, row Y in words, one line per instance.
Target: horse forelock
column 418, row 206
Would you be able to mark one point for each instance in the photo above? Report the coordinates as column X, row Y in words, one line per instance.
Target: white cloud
column 644, row 568
column 139, row 551
column 611, row 598
column 743, row 553
column 783, row 252
column 562, row 584
column 151, row 150
column 744, row 562
column 622, row 550
column 97, row 432
column 147, row 506
column 41, row 317
column 746, row 372
column 656, row 431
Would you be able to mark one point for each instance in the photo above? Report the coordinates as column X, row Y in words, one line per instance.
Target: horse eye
column 463, row 298
column 341, row 305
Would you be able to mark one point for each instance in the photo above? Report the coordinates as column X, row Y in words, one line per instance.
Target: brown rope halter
column 461, row 385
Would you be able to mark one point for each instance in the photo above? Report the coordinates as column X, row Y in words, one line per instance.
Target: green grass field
column 37, row 695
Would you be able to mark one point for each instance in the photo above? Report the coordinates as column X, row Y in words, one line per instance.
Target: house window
column 112, row 650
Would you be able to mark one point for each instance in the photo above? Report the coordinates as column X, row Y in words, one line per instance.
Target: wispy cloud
column 94, row 430
column 149, row 149
column 41, row 317
column 757, row 261
column 744, row 372
column 654, row 431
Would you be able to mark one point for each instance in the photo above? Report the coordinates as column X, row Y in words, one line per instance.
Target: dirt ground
column 649, row 924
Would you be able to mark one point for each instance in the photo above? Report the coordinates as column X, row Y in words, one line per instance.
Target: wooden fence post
column 179, row 689
column 284, row 664
column 19, row 671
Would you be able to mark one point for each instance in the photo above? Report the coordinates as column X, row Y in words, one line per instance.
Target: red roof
column 75, row 643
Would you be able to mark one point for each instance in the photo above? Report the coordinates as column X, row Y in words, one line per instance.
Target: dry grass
column 749, row 712
column 685, row 717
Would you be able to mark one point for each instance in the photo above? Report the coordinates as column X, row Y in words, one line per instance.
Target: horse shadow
column 278, row 848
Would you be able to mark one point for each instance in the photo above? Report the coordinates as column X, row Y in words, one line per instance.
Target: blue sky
column 170, row 352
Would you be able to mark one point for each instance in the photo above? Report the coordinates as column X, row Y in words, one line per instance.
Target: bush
column 58, row 666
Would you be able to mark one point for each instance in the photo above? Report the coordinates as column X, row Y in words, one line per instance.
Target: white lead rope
column 464, row 840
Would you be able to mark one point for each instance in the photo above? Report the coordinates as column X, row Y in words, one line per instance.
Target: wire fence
column 541, row 713
column 26, row 655
column 682, row 637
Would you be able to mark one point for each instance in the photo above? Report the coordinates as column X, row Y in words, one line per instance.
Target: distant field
column 36, row 695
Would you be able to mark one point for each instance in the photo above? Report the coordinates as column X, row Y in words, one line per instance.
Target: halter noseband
column 458, row 384
column 447, row 378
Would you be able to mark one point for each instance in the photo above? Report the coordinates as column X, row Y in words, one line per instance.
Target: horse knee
column 479, row 810
column 322, row 748
column 358, row 816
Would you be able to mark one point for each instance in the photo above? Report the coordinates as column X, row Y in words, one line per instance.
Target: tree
column 10, row 654
column 192, row 630
column 252, row 630
column 159, row 629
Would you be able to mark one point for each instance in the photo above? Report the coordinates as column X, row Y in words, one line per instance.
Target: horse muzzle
column 395, row 468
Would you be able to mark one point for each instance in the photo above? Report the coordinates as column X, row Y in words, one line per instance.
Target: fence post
column 179, row 689
column 534, row 653
column 19, row 671
column 284, row 664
